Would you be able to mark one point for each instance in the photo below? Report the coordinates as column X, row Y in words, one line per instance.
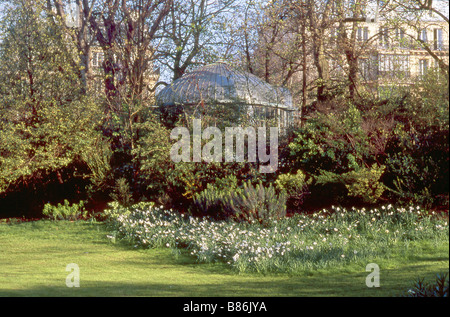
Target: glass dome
column 219, row 83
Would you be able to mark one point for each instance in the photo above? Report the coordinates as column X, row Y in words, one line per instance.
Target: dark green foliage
column 248, row 203
column 194, row 178
column 440, row 288
column 212, row 201
column 368, row 151
column 341, row 149
column 260, row 204
column 362, row 183
column 419, row 173
column 122, row 193
column 175, row 184
column 417, row 153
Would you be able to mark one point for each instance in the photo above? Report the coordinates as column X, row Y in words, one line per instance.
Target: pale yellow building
column 400, row 54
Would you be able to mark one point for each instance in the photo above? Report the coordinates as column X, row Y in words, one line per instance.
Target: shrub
column 248, row 203
column 256, row 204
column 122, row 193
column 212, row 200
column 66, row 211
column 365, row 183
column 417, row 169
column 337, row 146
column 47, row 122
column 295, row 186
column 425, row 289
column 116, row 211
column 151, row 157
column 393, row 149
column 176, row 184
column 417, row 166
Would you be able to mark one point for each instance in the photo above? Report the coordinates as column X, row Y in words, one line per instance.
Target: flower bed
column 321, row 240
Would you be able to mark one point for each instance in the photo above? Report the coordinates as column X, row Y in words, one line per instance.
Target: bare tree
column 191, row 32
column 347, row 41
column 273, row 44
column 320, row 20
column 125, row 31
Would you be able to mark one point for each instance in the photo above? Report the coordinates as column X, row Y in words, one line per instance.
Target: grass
column 34, row 255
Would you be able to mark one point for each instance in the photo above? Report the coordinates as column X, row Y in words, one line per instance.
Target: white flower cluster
column 330, row 237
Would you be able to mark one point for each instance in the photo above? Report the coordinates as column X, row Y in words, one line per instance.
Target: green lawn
column 34, row 255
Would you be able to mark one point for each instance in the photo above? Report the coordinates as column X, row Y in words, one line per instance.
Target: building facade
column 400, row 55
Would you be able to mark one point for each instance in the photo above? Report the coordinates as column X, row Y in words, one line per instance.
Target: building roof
column 219, row 83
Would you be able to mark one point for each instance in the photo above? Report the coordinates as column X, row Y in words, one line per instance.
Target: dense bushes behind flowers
column 249, row 203
column 325, row 239
column 377, row 151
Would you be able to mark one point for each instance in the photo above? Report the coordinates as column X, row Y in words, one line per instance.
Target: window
column 438, row 39
column 393, row 66
column 368, row 68
column 73, row 14
column 399, row 34
column 384, row 37
column 400, row 39
column 423, row 67
column 334, row 34
column 423, row 35
column 97, row 59
column 349, row 12
column 94, row 60
column 271, row 113
column 363, row 34
column 436, row 68
column 364, row 68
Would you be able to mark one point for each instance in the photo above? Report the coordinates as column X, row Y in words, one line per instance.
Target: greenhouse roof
column 219, row 83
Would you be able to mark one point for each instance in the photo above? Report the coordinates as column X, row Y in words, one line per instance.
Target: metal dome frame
column 220, row 84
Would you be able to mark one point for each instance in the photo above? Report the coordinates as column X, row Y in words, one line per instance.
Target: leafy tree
column 46, row 122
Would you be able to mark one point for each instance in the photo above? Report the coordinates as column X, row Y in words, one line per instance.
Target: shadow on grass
column 394, row 282
column 428, row 258
column 283, row 288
